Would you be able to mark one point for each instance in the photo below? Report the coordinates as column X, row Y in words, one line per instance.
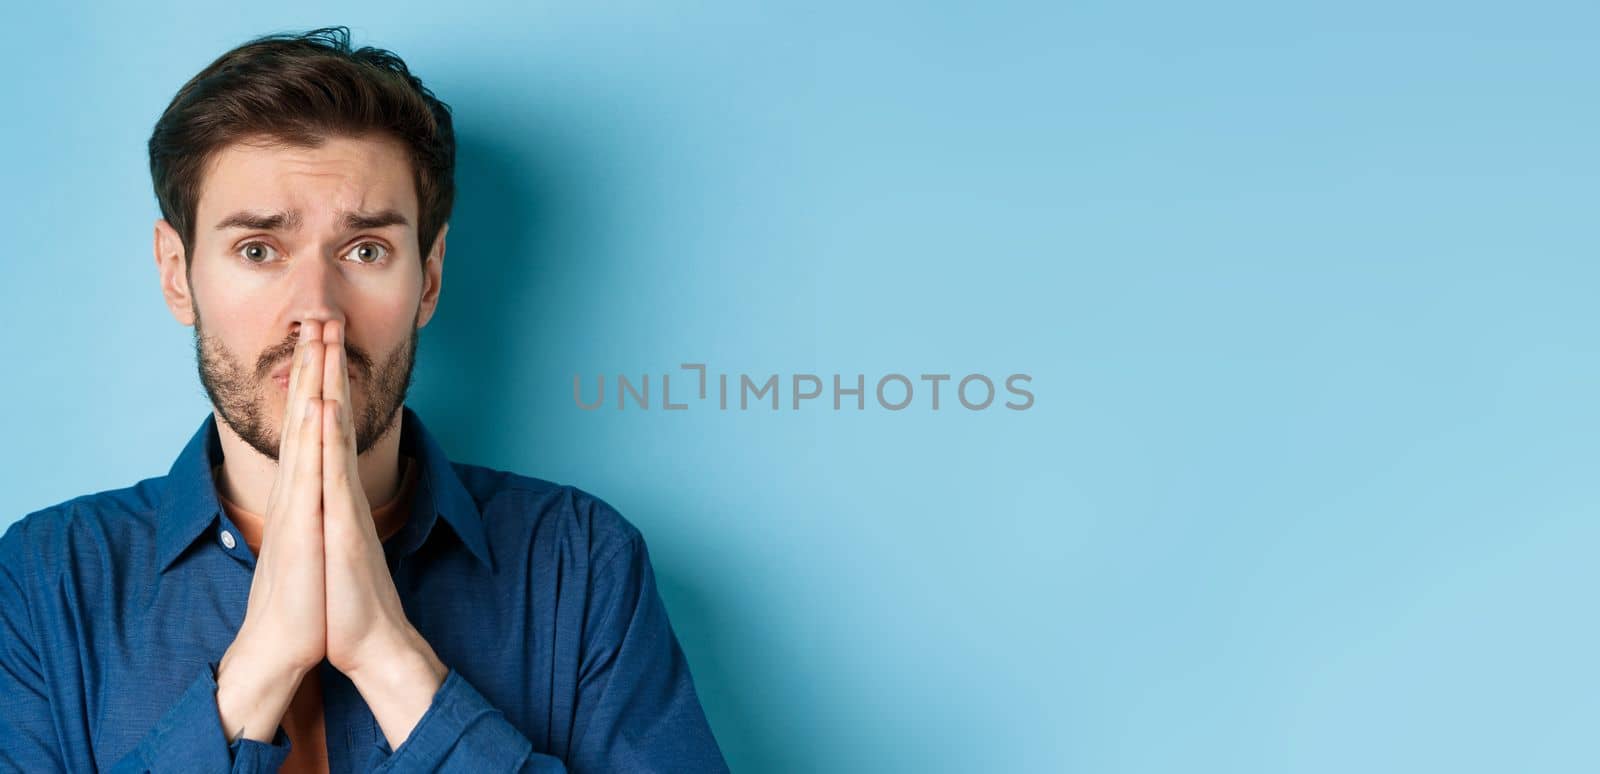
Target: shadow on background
column 496, row 254
column 521, row 222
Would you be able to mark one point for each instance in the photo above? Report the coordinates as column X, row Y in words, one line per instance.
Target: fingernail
column 311, row 408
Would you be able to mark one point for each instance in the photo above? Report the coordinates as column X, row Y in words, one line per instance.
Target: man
column 313, row 585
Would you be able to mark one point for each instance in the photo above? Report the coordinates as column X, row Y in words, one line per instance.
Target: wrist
column 253, row 694
column 391, row 663
column 398, row 684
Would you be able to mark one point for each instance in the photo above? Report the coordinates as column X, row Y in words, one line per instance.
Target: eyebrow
column 290, row 220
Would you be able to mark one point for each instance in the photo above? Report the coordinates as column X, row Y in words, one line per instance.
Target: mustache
column 358, row 359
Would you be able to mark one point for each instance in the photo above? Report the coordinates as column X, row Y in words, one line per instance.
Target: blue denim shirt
column 115, row 609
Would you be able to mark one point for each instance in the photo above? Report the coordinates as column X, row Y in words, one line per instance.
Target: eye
column 368, row 253
column 257, row 252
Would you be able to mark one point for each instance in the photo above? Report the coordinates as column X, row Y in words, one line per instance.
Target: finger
column 291, row 423
column 336, row 370
column 338, row 443
column 307, row 491
column 304, row 379
column 289, row 435
column 344, row 496
column 311, row 378
column 304, row 385
column 336, row 386
column 311, row 385
column 305, row 375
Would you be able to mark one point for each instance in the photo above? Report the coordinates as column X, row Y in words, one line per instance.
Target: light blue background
column 1308, row 296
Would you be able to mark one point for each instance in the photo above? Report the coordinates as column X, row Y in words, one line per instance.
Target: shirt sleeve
column 462, row 732
column 27, row 734
column 187, row 738
column 190, row 738
column 637, row 710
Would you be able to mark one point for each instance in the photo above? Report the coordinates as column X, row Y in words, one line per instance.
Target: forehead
column 367, row 173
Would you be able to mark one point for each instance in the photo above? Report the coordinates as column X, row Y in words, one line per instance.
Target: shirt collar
column 190, row 500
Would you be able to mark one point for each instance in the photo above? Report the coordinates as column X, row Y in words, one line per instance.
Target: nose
column 314, row 294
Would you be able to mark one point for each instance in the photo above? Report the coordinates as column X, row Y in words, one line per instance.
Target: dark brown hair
column 299, row 89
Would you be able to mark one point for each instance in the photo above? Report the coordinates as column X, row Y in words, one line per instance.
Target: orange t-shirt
column 302, row 722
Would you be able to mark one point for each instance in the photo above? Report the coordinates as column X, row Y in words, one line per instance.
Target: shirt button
column 227, row 540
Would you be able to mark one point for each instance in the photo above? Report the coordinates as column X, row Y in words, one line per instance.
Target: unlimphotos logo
column 894, row 392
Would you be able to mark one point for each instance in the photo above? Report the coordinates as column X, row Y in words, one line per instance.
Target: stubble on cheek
column 239, row 394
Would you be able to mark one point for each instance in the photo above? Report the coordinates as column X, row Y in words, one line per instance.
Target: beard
column 240, row 393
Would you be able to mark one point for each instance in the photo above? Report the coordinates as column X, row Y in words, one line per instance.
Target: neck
column 248, row 475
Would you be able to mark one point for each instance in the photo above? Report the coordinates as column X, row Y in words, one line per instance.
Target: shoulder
column 549, row 512
column 91, row 527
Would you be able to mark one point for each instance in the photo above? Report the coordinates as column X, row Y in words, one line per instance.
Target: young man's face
column 283, row 234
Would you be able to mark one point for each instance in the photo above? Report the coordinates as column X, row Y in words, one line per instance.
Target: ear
column 432, row 277
column 171, row 263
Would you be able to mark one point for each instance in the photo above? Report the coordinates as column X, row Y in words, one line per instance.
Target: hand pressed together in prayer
column 322, row 586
